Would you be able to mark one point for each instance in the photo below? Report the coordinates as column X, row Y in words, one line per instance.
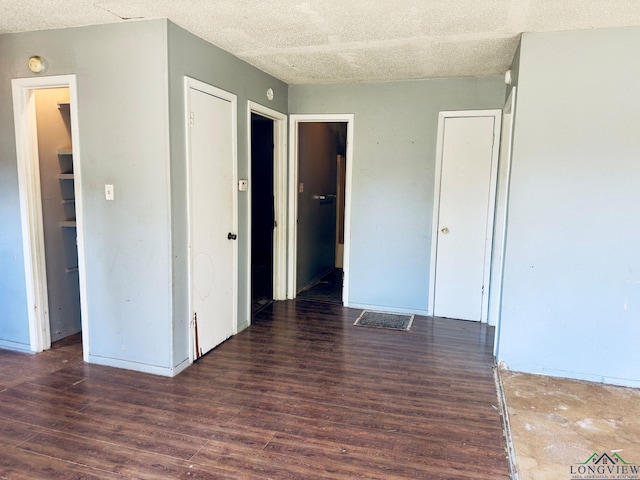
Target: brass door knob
column 444, row 230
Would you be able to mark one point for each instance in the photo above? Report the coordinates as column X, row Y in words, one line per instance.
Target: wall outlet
column 108, row 192
column 243, row 185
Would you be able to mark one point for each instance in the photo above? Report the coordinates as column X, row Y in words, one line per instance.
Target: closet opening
column 46, row 121
column 57, row 195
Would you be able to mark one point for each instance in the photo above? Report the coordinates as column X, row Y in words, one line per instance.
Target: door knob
column 444, row 230
column 232, row 236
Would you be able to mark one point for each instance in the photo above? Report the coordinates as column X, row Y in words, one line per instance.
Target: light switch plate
column 108, row 192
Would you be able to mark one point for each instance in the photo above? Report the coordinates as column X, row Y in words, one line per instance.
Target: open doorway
column 262, row 211
column 57, row 194
column 267, row 182
column 45, row 112
column 319, row 236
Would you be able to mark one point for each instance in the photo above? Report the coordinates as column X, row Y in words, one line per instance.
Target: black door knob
column 232, row 236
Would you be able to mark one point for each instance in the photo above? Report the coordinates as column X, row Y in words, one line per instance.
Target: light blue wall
column 136, row 245
column 394, row 149
column 14, row 326
column 123, row 118
column 192, row 56
column 571, row 293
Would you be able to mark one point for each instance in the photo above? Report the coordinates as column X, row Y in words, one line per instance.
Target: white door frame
column 502, row 195
column 280, row 201
column 190, row 83
column 31, row 206
column 497, row 116
column 294, row 120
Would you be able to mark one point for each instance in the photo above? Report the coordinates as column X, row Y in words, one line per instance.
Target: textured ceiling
column 345, row 41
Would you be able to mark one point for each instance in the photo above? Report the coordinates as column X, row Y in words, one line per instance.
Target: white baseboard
column 127, row 365
column 15, row 346
column 552, row 372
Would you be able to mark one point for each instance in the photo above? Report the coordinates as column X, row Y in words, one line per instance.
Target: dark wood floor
column 301, row 394
column 261, row 284
column 327, row 290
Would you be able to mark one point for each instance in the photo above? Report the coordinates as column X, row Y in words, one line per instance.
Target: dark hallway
column 262, row 211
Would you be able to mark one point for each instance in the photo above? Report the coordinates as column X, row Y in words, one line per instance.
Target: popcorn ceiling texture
column 345, row 41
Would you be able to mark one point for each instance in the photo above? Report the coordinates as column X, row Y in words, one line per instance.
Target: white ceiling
column 345, row 41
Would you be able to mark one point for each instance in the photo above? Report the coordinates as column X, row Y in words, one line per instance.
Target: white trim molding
column 31, row 206
column 500, row 222
column 280, row 199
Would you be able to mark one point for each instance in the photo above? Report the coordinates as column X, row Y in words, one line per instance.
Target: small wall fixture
column 37, row 64
column 270, row 94
column 507, row 77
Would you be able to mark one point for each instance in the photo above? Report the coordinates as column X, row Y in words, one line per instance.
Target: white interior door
column 213, row 222
column 465, row 216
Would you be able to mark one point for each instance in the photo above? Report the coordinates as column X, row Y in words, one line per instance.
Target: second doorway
column 262, row 211
column 321, row 185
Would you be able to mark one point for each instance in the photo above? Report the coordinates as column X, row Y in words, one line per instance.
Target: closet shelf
column 66, row 201
column 65, row 176
column 65, row 151
column 64, row 104
column 68, row 224
column 71, row 269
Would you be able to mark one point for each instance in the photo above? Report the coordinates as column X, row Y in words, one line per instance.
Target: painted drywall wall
column 192, row 56
column 14, row 326
column 394, row 148
column 53, row 126
column 571, row 291
column 121, row 74
column 317, row 171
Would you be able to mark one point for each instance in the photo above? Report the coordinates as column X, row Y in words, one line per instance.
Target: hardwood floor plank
column 116, row 459
column 384, row 462
column 422, row 425
column 194, row 422
column 18, row 464
column 14, row 433
column 62, row 379
column 42, row 394
column 34, row 414
column 240, row 463
column 139, row 435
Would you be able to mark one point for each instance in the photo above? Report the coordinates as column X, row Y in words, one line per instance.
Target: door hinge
column 191, row 119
